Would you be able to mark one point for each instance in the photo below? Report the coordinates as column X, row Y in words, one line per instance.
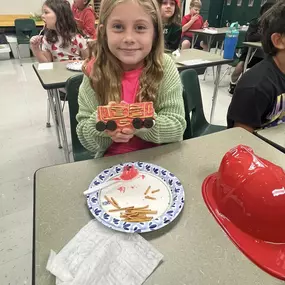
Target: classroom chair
column 72, row 88
column 25, row 29
column 197, row 124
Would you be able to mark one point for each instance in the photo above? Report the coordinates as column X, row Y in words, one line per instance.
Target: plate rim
column 144, row 226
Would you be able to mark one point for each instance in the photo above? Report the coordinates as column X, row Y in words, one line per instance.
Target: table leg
column 54, row 116
column 194, row 40
column 247, row 59
column 48, row 114
column 215, row 94
column 210, row 40
column 61, row 124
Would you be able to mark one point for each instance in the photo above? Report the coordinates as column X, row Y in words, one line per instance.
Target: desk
column 212, row 60
column 210, row 36
column 51, row 80
column 252, row 48
column 196, row 250
column 274, row 136
column 8, row 20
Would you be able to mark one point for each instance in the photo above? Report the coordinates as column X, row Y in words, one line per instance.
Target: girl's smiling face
column 167, row 9
column 130, row 35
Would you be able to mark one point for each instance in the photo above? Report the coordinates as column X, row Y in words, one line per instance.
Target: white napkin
column 98, row 255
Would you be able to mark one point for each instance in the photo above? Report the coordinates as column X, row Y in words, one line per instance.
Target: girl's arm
column 89, row 137
column 89, row 23
column 42, row 56
column 170, row 121
column 84, row 53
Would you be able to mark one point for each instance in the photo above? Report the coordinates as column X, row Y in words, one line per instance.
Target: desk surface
column 56, row 77
column 8, row 20
column 211, row 59
column 220, row 31
column 253, row 44
column 274, row 135
column 196, row 250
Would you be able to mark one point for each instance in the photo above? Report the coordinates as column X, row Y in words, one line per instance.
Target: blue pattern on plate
column 177, row 203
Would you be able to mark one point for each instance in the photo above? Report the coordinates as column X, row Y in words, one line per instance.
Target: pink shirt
column 130, row 85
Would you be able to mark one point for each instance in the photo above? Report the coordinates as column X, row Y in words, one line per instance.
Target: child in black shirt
column 170, row 13
column 259, row 98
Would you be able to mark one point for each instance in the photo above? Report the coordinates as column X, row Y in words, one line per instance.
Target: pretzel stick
column 119, row 210
column 147, row 190
column 155, row 191
column 115, row 202
column 146, row 212
column 150, row 198
column 110, row 201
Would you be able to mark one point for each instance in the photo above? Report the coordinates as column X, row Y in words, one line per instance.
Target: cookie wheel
column 137, row 123
column 111, row 125
column 148, row 123
column 100, row 126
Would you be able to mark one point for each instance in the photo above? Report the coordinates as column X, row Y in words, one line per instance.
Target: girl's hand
column 121, row 136
column 36, row 41
column 206, row 24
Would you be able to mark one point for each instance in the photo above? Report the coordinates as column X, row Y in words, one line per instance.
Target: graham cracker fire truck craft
column 124, row 115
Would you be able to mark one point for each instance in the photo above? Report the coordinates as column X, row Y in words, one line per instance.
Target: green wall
column 242, row 14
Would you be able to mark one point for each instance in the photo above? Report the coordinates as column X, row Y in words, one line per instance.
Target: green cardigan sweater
column 169, row 118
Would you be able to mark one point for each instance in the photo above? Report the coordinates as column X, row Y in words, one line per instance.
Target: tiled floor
column 26, row 145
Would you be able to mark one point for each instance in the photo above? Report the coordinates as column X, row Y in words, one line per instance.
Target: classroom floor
column 26, row 145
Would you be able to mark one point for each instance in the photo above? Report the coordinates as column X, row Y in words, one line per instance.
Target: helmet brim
column 268, row 256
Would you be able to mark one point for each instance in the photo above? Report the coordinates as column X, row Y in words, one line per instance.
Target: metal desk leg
column 247, row 59
column 194, row 40
column 215, row 94
column 61, row 124
column 54, row 116
column 48, row 114
column 210, row 40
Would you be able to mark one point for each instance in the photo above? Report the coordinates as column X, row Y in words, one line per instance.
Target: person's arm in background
column 247, row 108
column 89, row 137
column 187, row 25
column 88, row 24
column 253, row 34
column 170, row 121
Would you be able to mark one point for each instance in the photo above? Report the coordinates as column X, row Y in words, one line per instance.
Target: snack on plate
column 124, row 115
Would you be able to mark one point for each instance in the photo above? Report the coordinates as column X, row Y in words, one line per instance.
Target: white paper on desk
column 45, row 66
column 194, row 62
column 98, row 255
column 210, row 31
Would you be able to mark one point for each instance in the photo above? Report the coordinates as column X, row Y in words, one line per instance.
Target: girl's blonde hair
column 107, row 72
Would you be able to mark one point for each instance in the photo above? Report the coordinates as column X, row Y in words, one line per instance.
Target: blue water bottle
column 231, row 40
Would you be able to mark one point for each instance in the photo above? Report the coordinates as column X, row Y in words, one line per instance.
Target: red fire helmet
column 247, row 198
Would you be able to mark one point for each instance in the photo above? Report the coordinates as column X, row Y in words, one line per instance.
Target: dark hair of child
column 65, row 24
column 272, row 21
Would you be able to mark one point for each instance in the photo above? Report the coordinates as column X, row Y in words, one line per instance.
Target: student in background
column 130, row 65
column 61, row 40
column 170, row 13
column 253, row 34
column 259, row 98
column 84, row 16
column 193, row 21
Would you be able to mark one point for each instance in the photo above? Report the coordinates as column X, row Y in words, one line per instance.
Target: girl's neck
column 165, row 21
column 279, row 59
column 127, row 68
